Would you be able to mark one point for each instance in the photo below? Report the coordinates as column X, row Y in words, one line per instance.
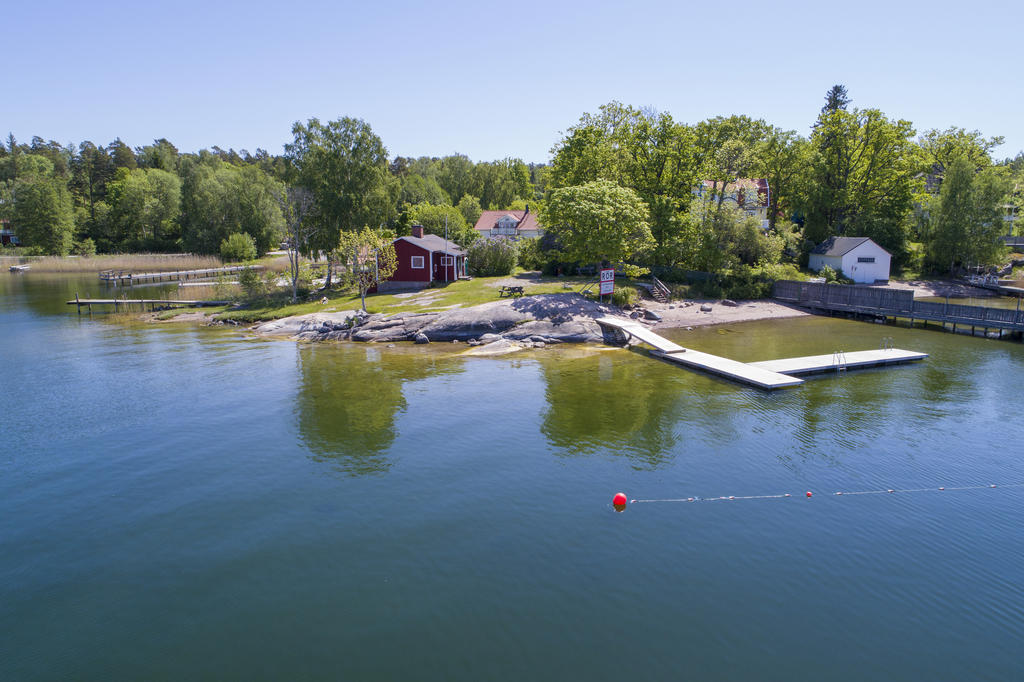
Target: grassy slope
column 464, row 293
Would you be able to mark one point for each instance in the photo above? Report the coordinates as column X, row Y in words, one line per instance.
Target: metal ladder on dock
column 839, row 360
column 887, row 343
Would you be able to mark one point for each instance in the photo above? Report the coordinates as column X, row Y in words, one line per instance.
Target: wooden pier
column 882, row 304
column 769, row 374
column 139, row 304
column 128, row 278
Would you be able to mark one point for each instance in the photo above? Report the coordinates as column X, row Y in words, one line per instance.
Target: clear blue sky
column 494, row 79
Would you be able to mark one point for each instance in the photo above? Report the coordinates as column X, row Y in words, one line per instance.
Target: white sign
column 607, row 281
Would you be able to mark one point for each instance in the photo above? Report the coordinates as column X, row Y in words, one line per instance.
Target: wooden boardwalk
column 125, row 277
column 881, row 303
column 769, row 374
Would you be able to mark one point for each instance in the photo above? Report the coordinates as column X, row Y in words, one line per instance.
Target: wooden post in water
column 78, row 306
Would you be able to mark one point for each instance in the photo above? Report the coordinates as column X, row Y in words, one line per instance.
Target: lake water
column 192, row 503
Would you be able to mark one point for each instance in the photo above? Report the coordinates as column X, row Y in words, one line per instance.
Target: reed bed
column 137, row 262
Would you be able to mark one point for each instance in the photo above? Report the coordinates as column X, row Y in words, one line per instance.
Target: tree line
column 625, row 184
column 934, row 201
column 112, row 198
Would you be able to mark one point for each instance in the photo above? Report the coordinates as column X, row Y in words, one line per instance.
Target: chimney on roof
column 417, row 230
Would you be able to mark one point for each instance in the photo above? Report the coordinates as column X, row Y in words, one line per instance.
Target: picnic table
column 510, row 291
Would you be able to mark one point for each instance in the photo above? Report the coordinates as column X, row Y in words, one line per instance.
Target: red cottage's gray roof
column 431, row 242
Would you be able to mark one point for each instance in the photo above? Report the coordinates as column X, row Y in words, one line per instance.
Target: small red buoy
column 942, row 487
column 810, row 494
column 619, row 500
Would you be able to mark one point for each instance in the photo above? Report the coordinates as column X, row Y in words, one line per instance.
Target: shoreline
column 533, row 321
column 536, row 321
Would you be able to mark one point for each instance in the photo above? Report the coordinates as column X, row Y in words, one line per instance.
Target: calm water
column 188, row 503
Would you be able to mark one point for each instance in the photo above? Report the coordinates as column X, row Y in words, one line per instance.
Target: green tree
column 416, row 189
column 43, row 214
column 144, row 208
column 456, row 177
column 941, row 148
column 782, row 158
column 368, row 257
column 967, row 217
column 343, row 164
column 219, row 199
column 469, row 207
column 597, row 221
column 433, row 219
column 864, row 178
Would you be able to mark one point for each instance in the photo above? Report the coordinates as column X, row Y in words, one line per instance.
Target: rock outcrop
column 544, row 319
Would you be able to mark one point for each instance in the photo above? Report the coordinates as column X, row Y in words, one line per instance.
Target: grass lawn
column 463, row 293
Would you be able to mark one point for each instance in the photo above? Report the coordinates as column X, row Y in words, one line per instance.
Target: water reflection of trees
column 614, row 401
column 349, row 397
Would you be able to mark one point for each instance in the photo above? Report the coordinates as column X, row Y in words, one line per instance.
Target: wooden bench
column 510, row 291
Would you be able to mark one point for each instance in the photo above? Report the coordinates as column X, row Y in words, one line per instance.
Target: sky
column 494, row 80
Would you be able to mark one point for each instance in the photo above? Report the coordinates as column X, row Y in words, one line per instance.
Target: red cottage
column 423, row 259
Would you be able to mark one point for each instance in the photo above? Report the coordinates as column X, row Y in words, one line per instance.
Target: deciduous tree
column 598, row 221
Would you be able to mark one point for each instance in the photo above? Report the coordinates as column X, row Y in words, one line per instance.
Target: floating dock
column 768, row 374
column 860, row 359
column 730, row 369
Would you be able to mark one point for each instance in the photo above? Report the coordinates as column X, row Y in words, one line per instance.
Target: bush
column 256, row 283
column 238, row 247
column 530, row 255
column 622, row 296
column 828, row 273
column 492, row 257
column 86, row 247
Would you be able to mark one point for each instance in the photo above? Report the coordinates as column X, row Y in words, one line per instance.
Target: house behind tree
column 751, row 195
column 511, row 224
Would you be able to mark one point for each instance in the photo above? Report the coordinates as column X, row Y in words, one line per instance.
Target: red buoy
column 620, row 500
column 809, row 493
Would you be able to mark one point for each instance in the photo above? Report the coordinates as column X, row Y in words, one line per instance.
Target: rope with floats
column 620, row 500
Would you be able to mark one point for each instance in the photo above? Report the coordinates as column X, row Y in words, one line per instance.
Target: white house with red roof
column 513, row 224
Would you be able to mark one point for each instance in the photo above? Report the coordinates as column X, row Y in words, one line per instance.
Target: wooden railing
column 894, row 303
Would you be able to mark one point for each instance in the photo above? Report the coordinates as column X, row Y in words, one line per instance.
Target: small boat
column 19, row 268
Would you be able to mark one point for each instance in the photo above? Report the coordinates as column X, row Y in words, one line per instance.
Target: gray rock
column 489, row 338
column 651, row 315
column 421, row 338
column 729, row 302
column 635, row 315
column 538, row 344
column 705, row 308
column 391, row 345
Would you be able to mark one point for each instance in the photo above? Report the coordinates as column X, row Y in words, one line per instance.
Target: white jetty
column 769, row 374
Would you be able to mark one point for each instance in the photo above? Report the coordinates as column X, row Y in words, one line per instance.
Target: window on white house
column 447, row 260
column 417, row 262
column 865, row 259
